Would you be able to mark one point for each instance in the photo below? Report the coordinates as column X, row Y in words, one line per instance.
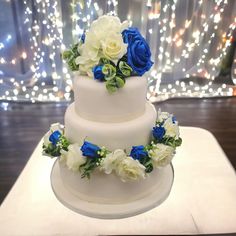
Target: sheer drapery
column 192, row 42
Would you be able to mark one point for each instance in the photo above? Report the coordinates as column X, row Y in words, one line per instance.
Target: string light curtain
column 190, row 40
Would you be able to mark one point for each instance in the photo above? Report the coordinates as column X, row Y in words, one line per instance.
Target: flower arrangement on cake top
column 131, row 166
column 110, row 51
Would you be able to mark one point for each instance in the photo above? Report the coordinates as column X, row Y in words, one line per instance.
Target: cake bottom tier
column 109, row 189
column 122, row 135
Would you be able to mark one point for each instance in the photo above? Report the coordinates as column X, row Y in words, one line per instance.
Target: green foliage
column 70, row 55
column 125, row 69
column 148, row 147
column 66, row 55
column 104, row 61
column 149, row 167
column 91, row 163
column 111, row 86
column 115, row 75
column 171, row 141
column 147, row 162
column 115, row 83
column 54, row 150
column 103, row 152
column 158, row 123
column 119, row 82
column 88, row 167
column 64, row 143
column 109, row 71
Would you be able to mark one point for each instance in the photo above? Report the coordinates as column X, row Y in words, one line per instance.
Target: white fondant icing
column 102, row 188
column 94, row 102
column 121, row 135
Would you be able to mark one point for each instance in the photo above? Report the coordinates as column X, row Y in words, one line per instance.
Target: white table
column 202, row 200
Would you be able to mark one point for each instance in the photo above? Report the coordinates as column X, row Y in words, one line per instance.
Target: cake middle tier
column 113, row 136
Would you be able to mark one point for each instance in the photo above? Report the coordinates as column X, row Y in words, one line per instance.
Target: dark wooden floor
column 23, row 125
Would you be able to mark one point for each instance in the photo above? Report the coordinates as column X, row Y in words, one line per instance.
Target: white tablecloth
column 202, row 200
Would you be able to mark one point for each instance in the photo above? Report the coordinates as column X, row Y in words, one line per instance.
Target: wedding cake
column 113, row 143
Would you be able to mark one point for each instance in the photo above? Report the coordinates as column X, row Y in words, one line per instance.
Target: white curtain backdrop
column 192, row 43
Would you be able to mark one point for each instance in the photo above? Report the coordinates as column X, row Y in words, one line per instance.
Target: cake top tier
column 110, row 52
column 93, row 102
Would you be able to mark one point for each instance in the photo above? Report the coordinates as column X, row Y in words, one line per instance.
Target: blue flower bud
column 90, row 150
column 55, row 137
column 138, row 152
column 98, row 74
column 158, row 132
column 83, row 37
column 174, row 119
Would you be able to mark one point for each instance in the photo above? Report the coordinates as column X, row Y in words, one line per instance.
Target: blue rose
column 90, row 150
column 174, row 119
column 138, row 152
column 97, row 72
column 138, row 51
column 83, row 37
column 55, row 137
column 158, row 132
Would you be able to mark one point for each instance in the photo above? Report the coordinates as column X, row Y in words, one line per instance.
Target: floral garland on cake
column 128, row 166
column 110, row 51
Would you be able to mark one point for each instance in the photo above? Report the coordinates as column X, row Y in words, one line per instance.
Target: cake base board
column 112, row 211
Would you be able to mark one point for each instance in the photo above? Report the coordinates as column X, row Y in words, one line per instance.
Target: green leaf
column 125, row 69
column 109, row 71
column 74, row 49
column 148, row 147
column 147, row 162
column 72, row 65
column 104, row 61
column 111, row 87
column 119, row 82
column 88, row 167
column 55, row 150
column 149, row 168
column 66, row 54
column 113, row 84
column 64, row 143
column 171, row 141
column 70, row 56
column 51, row 150
column 178, row 142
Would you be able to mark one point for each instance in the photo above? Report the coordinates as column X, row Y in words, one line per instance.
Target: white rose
column 108, row 24
column 110, row 162
column 89, row 57
column 172, row 129
column 73, row 157
column 46, row 141
column 130, row 169
column 113, row 47
column 63, row 156
column 161, row 154
column 86, row 66
column 56, row 126
column 162, row 115
column 90, row 51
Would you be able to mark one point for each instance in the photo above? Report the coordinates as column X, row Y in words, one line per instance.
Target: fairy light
column 190, row 47
column 24, row 55
column 172, row 40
